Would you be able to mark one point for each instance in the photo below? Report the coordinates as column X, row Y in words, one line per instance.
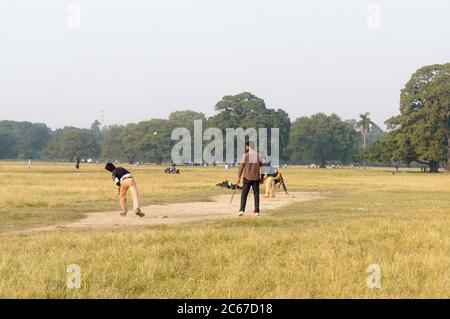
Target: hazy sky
column 141, row 59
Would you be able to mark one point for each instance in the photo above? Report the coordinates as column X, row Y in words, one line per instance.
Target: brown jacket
column 250, row 166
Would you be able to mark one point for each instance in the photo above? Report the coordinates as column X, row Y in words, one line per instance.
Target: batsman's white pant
column 129, row 184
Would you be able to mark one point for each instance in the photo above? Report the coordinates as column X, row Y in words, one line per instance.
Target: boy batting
column 125, row 181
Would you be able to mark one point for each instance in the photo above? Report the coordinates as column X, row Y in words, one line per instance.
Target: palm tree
column 364, row 125
column 448, row 141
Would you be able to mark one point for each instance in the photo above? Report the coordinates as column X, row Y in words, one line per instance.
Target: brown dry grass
column 314, row 249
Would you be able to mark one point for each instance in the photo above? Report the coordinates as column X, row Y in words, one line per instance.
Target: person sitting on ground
column 125, row 181
column 228, row 185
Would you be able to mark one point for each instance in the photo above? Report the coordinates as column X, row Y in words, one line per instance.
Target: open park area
column 321, row 245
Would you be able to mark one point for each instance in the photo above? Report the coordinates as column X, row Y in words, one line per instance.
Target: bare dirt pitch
column 219, row 207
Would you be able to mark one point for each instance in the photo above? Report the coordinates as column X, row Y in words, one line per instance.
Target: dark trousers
column 245, row 190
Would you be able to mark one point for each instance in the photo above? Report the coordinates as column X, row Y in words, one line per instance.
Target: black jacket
column 118, row 173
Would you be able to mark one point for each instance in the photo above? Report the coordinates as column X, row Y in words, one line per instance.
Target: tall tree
column 364, row 124
column 112, row 143
column 185, row 119
column 74, row 145
column 323, row 138
column 132, row 137
column 248, row 111
column 29, row 138
column 156, row 144
column 421, row 131
column 448, row 141
column 8, row 149
column 96, row 130
column 147, row 140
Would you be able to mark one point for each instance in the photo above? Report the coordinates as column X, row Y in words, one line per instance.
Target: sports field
column 316, row 248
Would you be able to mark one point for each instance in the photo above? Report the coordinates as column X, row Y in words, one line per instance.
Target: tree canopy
column 319, row 138
column 248, row 111
column 23, row 139
column 323, row 138
column 147, row 140
column 421, row 132
column 73, row 144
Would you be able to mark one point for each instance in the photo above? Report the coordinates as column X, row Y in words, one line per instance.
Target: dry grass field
column 316, row 249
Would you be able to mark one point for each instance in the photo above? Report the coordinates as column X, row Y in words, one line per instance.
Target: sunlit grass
column 49, row 194
column 314, row 249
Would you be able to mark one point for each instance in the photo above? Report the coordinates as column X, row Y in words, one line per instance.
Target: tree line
column 419, row 134
column 320, row 137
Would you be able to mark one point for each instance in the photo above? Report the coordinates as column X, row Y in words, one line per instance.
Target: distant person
column 30, row 162
column 249, row 168
column 125, row 181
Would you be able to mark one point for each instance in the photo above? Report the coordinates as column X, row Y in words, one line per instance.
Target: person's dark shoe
column 140, row 213
column 123, row 214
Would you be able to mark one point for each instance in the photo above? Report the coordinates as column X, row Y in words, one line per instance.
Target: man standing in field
column 125, row 181
column 249, row 168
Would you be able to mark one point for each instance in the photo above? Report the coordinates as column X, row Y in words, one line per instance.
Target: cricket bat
column 234, row 194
